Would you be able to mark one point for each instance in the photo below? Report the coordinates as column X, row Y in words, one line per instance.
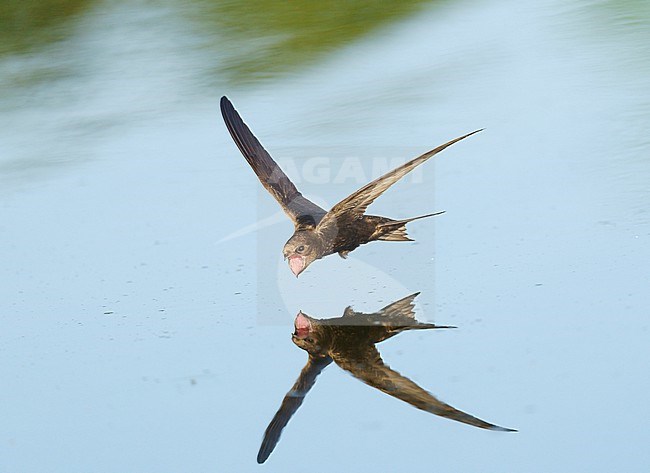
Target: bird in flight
column 350, row 341
column 319, row 233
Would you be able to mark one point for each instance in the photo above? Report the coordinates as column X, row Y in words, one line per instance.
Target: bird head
column 305, row 335
column 301, row 250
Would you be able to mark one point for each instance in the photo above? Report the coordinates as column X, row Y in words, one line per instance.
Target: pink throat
column 296, row 264
column 302, row 325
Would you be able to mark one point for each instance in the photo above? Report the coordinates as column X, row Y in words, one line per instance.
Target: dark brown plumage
column 350, row 341
column 319, row 233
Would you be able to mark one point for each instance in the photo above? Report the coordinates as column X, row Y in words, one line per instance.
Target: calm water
column 146, row 312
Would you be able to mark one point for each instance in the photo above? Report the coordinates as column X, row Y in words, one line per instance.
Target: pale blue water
column 136, row 336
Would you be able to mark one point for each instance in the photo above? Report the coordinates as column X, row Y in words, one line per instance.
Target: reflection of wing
column 302, row 211
column 365, row 364
column 401, row 308
column 356, row 204
column 290, row 404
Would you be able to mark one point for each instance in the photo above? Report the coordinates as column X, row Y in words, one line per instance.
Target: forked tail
column 395, row 230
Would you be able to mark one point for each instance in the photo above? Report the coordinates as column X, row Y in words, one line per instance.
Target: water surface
column 137, row 336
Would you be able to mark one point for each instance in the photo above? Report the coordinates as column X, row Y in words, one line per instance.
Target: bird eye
column 300, row 249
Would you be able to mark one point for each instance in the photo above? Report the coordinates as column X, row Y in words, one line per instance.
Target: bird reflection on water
column 350, row 341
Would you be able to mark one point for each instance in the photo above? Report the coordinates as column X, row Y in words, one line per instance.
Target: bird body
column 319, row 233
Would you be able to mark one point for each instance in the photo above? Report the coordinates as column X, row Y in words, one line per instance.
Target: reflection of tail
column 395, row 230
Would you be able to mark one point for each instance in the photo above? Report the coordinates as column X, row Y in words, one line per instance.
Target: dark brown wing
column 364, row 363
column 290, row 404
column 356, row 204
column 302, row 211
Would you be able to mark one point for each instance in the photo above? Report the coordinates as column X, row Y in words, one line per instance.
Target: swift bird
column 319, row 233
column 350, row 341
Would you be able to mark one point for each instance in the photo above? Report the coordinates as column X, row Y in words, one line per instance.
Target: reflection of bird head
column 306, row 334
column 301, row 250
